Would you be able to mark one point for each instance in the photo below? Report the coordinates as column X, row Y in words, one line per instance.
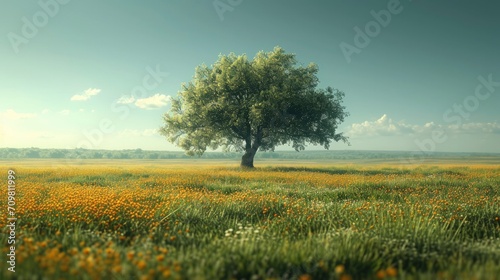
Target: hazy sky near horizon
column 418, row 75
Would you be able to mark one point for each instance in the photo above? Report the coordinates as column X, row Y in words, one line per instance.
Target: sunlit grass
column 213, row 222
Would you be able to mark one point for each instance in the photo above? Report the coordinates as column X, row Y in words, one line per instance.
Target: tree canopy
column 246, row 106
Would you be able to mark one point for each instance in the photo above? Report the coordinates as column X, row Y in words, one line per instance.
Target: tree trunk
column 247, row 159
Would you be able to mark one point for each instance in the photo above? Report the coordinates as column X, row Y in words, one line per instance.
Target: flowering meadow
column 154, row 221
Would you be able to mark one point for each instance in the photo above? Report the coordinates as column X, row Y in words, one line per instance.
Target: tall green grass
column 425, row 223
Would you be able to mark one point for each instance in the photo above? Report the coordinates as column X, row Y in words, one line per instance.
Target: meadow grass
column 210, row 221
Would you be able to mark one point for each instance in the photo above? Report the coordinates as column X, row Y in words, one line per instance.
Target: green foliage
column 243, row 105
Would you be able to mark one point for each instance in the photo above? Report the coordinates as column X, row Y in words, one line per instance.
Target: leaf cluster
column 240, row 104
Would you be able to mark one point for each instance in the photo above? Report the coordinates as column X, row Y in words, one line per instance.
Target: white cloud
column 45, row 111
column 13, row 115
column 385, row 126
column 153, row 102
column 476, row 128
column 150, row 132
column 65, row 112
column 125, row 100
column 86, row 94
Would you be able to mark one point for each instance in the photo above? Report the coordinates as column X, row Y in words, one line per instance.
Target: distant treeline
column 13, row 153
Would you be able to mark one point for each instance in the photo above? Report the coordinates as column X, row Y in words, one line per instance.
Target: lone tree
column 243, row 105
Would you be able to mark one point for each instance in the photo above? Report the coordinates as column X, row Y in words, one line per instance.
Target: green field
column 208, row 219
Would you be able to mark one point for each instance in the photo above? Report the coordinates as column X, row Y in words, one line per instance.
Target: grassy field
column 205, row 220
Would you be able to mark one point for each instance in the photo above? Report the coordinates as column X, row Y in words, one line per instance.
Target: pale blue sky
column 68, row 68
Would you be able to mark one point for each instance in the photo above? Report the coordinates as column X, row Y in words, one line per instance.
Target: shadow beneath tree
column 342, row 171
